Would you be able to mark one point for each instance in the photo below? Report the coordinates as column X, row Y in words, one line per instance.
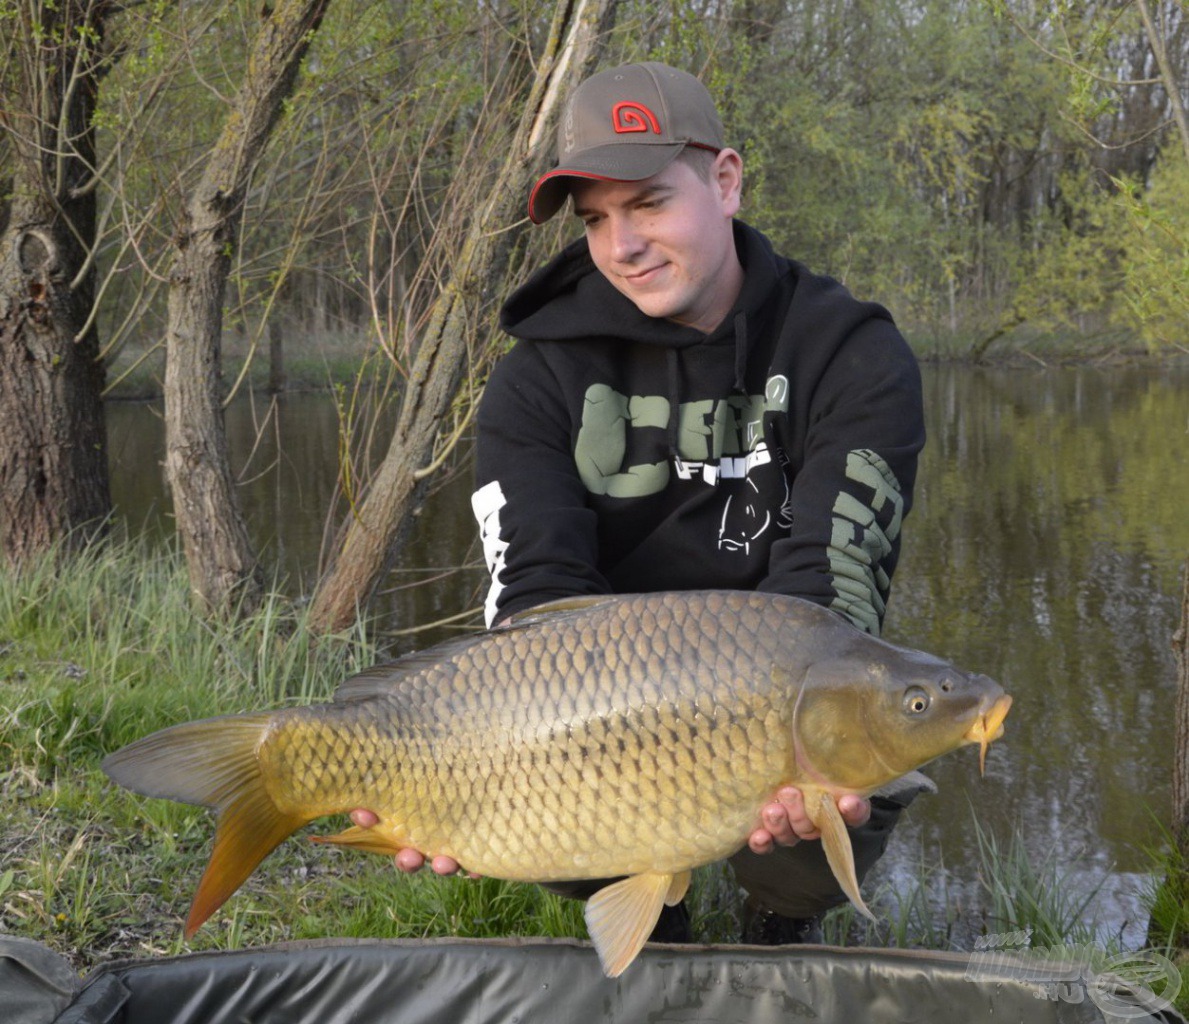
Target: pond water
column 1052, row 517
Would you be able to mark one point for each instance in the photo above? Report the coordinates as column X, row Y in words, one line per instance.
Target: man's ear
column 726, row 175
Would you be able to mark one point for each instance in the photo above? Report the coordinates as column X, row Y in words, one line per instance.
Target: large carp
column 635, row 735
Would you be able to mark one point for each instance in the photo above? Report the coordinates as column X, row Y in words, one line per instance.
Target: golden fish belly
column 658, row 786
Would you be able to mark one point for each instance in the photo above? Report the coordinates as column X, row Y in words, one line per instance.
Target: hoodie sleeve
column 853, row 484
column 539, row 537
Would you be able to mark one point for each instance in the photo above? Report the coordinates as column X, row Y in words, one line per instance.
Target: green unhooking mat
column 453, row 981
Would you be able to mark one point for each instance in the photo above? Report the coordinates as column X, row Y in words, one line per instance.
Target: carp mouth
column 987, row 728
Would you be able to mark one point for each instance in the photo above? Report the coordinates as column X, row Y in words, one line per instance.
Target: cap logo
column 633, row 117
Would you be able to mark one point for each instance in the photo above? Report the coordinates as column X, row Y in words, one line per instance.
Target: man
column 686, row 409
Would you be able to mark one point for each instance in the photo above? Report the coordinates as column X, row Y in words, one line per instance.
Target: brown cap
column 626, row 124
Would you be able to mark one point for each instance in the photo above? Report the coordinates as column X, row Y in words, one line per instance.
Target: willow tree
column 53, row 458
column 452, row 340
column 223, row 567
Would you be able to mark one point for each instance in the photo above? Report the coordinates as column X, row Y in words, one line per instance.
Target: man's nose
column 626, row 241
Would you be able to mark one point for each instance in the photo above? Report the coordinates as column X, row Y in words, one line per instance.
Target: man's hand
column 784, row 822
column 408, row 860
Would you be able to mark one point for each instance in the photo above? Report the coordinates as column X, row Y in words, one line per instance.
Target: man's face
column 666, row 242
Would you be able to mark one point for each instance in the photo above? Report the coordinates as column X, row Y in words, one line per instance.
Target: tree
column 53, row 458
column 451, row 340
column 1168, row 924
column 224, row 572
column 1118, row 249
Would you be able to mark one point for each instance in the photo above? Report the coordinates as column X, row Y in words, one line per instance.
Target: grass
column 102, row 650
column 107, row 649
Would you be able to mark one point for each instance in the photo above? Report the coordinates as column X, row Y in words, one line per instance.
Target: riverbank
column 107, row 649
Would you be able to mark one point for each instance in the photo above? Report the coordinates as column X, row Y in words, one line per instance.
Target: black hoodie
column 620, row 453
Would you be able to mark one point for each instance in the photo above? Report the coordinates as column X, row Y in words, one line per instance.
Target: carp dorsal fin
column 621, row 916
column 823, row 812
column 387, row 676
column 577, row 603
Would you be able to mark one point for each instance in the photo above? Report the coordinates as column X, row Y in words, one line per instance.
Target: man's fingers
column 761, row 841
column 409, row 860
column 443, row 865
column 364, row 818
column 854, row 809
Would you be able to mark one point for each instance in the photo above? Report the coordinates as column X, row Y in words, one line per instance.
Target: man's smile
column 639, row 277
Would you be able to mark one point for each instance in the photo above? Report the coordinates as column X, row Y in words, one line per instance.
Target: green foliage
column 1155, row 262
column 937, row 156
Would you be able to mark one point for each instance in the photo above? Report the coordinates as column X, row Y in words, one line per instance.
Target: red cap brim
column 619, row 162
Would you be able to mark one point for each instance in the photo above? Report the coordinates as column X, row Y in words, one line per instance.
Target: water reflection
column 1043, row 550
column 288, row 457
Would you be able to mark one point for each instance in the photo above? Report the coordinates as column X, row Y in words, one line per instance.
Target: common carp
column 634, row 735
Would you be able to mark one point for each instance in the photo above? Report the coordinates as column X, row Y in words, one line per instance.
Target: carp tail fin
column 837, row 846
column 212, row 763
column 621, row 916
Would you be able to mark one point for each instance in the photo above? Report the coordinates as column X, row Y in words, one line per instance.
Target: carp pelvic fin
column 211, row 763
column 836, row 843
column 621, row 916
column 363, row 839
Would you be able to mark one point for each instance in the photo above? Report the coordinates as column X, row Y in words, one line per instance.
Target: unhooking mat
column 454, row 981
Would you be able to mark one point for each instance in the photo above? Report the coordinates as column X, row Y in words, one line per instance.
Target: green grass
column 99, row 652
column 104, row 648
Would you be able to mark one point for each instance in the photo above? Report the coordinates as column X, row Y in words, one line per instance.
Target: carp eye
column 916, row 701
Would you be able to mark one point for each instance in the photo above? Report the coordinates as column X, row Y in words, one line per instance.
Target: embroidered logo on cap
column 633, row 117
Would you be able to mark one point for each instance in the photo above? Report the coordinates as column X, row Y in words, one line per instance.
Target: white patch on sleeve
column 486, row 503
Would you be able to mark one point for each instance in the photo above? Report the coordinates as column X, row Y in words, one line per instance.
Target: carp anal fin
column 839, row 852
column 212, row 763
column 621, row 916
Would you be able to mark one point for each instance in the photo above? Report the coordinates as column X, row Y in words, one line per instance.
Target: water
column 1044, row 550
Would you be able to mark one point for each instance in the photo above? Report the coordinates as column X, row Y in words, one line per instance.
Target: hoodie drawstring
column 741, row 352
column 674, row 404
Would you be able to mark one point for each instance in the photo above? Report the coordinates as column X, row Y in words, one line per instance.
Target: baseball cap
column 626, row 124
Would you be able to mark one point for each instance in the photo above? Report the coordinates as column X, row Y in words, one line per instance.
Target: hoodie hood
column 569, row 298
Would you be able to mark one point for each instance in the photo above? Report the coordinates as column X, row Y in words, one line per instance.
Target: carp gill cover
column 634, row 735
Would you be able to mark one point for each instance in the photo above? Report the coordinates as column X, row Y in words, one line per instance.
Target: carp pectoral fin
column 363, row 839
column 621, row 916
column 839, row 852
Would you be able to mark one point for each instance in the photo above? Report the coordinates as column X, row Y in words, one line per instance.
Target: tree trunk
column 375, row 527
column 1168, row 76
column 1173, row 890
column 1180, row 778
column 224, row 573
column 53, row 453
